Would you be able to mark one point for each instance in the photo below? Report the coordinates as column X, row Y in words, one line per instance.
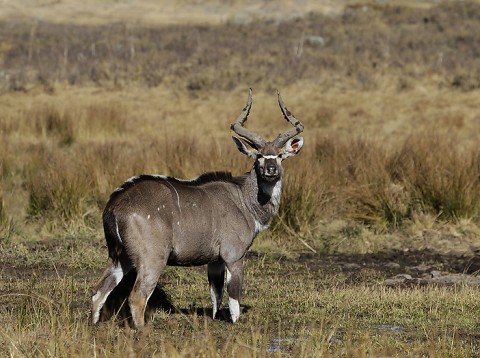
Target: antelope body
column 151, row 221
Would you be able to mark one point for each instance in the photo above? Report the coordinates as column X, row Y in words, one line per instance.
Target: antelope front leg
column 234, row 288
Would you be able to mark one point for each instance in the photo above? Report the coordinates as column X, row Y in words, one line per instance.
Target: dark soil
column 394, row 262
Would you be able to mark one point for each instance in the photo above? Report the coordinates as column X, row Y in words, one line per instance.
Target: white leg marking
column 213, row 295
column 150, row 295
column 234, row 307
column 97, row 298
column 229, row 277
column 233, row 304
column 118, row 274
column 96, row 314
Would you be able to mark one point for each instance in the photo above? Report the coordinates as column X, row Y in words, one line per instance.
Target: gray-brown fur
column 153, row 221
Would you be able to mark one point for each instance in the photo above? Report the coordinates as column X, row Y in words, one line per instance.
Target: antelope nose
column 271, row 169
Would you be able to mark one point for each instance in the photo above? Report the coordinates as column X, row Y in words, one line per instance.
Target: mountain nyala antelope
column 151, row 221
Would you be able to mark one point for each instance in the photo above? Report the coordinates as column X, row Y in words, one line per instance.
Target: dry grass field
column 388, row 182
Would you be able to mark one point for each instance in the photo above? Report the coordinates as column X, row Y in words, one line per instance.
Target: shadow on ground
column 117, row 304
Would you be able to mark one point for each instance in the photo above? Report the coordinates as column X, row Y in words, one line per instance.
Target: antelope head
column 268, row 156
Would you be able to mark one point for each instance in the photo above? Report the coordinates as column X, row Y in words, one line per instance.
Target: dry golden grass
column 370, row 175
column 390, row 105
column 150, row 12
column 372, row 178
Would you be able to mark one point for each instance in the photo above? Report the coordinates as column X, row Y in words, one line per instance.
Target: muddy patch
column 402, row 268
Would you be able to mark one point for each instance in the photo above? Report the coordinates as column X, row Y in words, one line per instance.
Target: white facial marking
column 148, row 217
column 270, row 156
column 158, row 209
column 234, row 307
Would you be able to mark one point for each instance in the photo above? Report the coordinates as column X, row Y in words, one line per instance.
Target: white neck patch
column 277, row 193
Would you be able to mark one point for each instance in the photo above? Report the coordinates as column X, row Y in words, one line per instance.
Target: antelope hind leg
column 145, row 284
column 111, row 277
column 216, row 278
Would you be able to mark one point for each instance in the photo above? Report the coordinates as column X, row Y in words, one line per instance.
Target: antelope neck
column 262, row 197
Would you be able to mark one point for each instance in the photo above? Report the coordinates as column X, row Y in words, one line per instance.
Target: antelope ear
column 252, row 153
column 292, row 147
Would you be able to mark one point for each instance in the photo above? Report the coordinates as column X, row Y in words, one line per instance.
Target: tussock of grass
column 443, row 179
column 382, row 185
column 57, row 189
column 49, row 122
column 299, row 209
